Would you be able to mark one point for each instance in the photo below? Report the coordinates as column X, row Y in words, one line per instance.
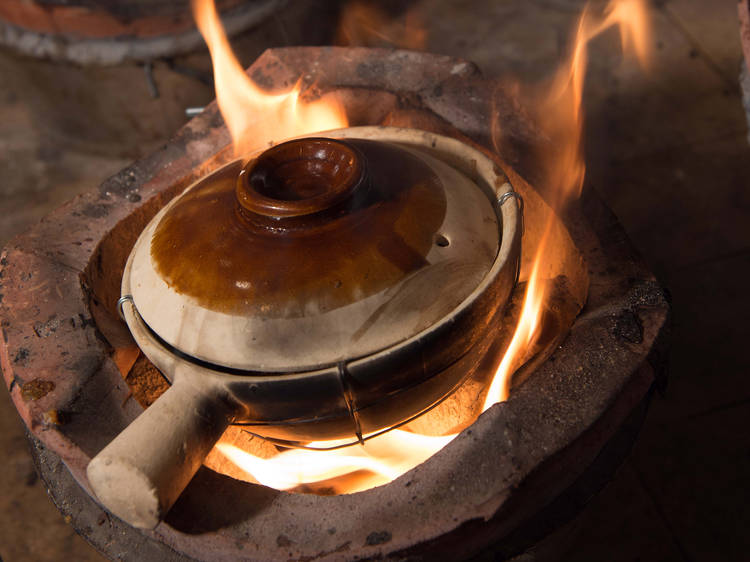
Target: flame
column 385, row 458
column 560, row 113
column 365, row 23
column 523, row 337
column 560, row 117
column 256, row 118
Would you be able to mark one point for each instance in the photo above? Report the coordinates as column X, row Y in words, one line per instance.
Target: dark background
column 667, row 150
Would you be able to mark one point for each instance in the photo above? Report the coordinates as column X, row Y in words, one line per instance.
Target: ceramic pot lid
column 316, row 251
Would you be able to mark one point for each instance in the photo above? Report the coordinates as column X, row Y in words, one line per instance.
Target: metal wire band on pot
column 360, row 438
column 510, row 194
column 346, row 390
column 120, row 302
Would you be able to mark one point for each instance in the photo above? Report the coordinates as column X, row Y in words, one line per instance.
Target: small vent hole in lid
column 442, row 241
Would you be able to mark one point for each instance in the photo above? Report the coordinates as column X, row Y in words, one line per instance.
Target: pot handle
column 143, row 471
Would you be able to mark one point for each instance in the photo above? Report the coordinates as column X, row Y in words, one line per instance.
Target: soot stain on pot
column 246, row 269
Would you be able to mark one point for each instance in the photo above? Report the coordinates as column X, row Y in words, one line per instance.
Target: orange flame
column 560, row 116
column 523, row 337
column 256, row 118
column 560, row 113
column 385, row 457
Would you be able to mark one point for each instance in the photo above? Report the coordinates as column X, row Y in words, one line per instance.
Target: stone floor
column 667, row 149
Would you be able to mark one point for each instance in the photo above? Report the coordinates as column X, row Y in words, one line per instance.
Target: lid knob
column 299, row 178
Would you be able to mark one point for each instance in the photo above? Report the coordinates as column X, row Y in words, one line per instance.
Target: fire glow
column 559, row 113
column 256, row 119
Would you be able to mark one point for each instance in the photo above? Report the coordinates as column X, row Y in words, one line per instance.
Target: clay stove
column 501, row 485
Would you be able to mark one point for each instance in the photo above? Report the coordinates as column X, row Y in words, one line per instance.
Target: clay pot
column 327, row 288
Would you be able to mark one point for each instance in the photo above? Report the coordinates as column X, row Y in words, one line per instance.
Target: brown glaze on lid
column 300, row 179
column 309, row 226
